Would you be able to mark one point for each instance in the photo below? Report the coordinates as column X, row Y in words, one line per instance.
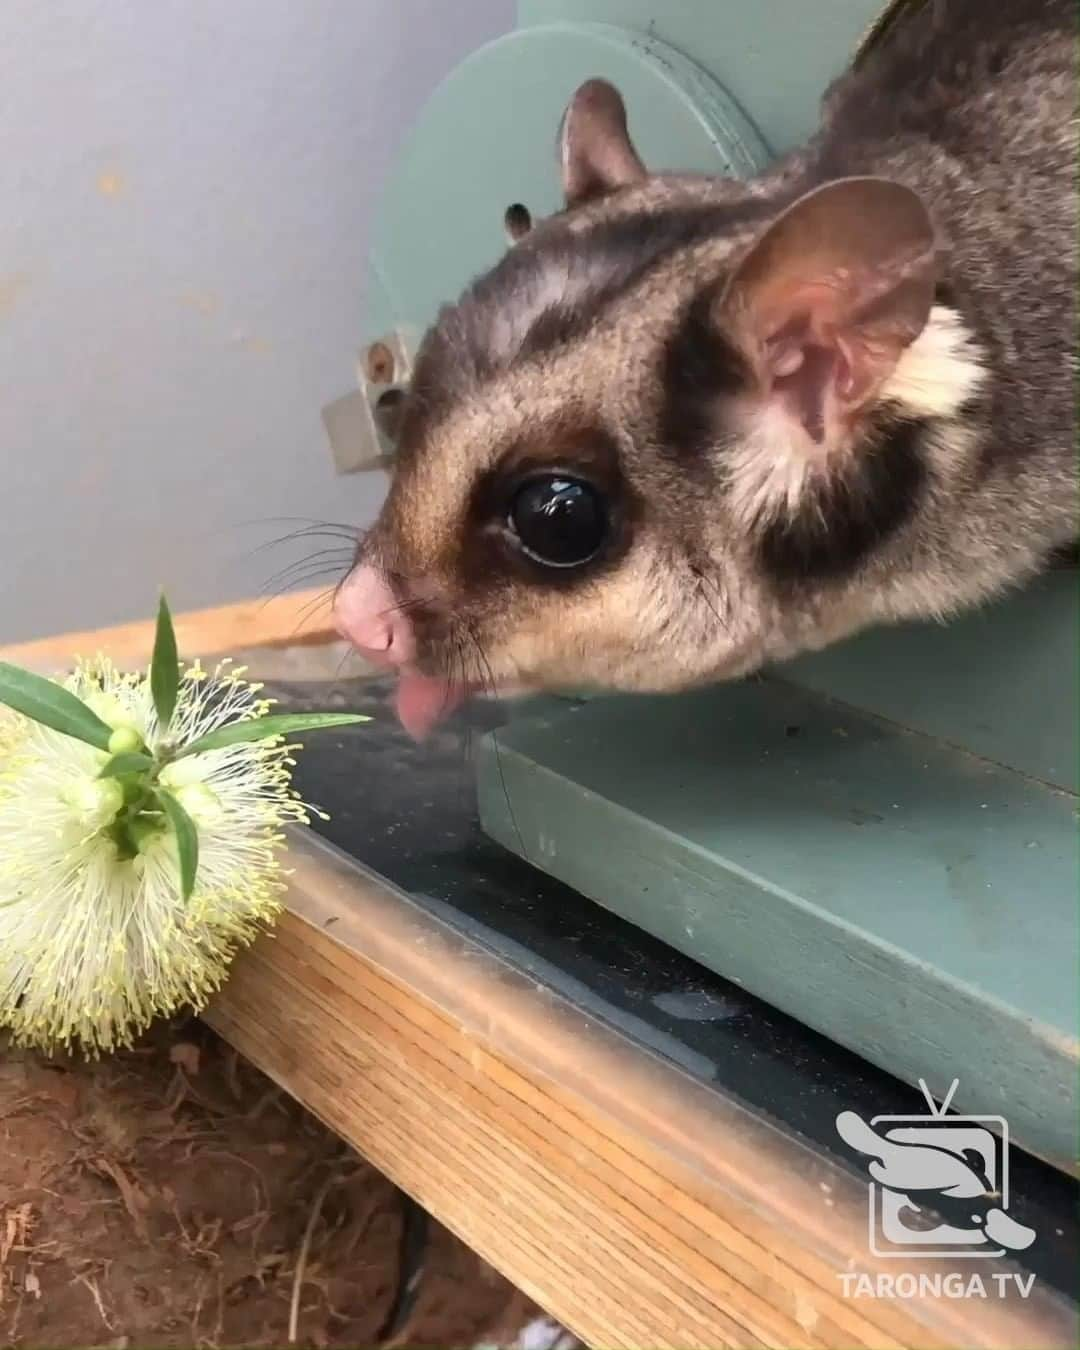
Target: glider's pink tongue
column 423, row 702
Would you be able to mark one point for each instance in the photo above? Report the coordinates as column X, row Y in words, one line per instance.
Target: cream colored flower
column 95, row 938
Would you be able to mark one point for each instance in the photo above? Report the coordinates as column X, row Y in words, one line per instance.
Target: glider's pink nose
column 369, row 614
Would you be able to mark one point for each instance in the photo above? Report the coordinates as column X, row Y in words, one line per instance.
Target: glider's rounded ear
column 596, row 153
column 827, row 299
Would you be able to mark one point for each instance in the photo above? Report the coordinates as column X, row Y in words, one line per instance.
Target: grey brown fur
column 614, row 341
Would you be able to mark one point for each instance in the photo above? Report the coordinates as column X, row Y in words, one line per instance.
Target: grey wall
column 187, row 192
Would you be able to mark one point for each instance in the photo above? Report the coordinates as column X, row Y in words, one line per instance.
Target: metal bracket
column 361, row 426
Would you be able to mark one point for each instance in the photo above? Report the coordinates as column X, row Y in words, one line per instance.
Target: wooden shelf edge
column 637, row 1204
column 295, row 618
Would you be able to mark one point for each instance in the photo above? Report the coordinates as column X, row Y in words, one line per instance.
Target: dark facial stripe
column 1065, row 557
column 614, row 257
column 840, row 523
column 468, row 344
column 698, row 366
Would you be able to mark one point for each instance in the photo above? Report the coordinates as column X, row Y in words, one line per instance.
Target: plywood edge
column 294, row 618
column 638, row 1205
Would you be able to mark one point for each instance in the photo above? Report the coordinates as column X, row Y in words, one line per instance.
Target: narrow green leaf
column 187, row 841
column 164, row 667
column 129, row 762
column 259, row 728
column 48, row 703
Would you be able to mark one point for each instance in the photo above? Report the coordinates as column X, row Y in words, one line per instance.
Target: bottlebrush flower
column 140, row 841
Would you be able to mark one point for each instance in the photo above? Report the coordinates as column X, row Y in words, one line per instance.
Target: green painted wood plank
column 912, row 902
column 1003, row 682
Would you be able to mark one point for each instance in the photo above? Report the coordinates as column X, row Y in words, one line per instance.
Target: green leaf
column 164, row 667
column 260, row 728
column 187, row 841
column 129, row 762
column 48, row 703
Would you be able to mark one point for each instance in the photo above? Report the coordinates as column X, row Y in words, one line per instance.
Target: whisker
column 346, row 655
column 327, row 559
column 402, row 607
column 702, row 579
column 307, row 577
column 308, row 612
column 489, row 679
column 339, row 583
column 323, row 597
column 467, row 790
column 347, row 537
column 299, row 520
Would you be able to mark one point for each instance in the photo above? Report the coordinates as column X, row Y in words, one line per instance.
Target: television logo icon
column 939, row 1183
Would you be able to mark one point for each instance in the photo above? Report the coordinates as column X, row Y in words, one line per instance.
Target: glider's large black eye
column 560, row 522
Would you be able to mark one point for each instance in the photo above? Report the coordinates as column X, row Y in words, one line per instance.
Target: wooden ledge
column 295, row 618
column 639, row 1206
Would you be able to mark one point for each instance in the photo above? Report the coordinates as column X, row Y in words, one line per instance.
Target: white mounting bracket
column 361, row 425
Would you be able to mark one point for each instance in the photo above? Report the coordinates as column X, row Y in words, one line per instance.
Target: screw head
column 379, row 363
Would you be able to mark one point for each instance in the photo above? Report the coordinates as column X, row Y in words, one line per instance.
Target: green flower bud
column 182, row 773
column 96, row 801
column 200, row 802
column 143, row 831
column 124, row 741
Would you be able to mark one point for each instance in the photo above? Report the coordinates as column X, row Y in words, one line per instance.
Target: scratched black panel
column 410, row 814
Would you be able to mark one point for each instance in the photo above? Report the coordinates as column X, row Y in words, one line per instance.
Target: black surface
column 409, row 813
